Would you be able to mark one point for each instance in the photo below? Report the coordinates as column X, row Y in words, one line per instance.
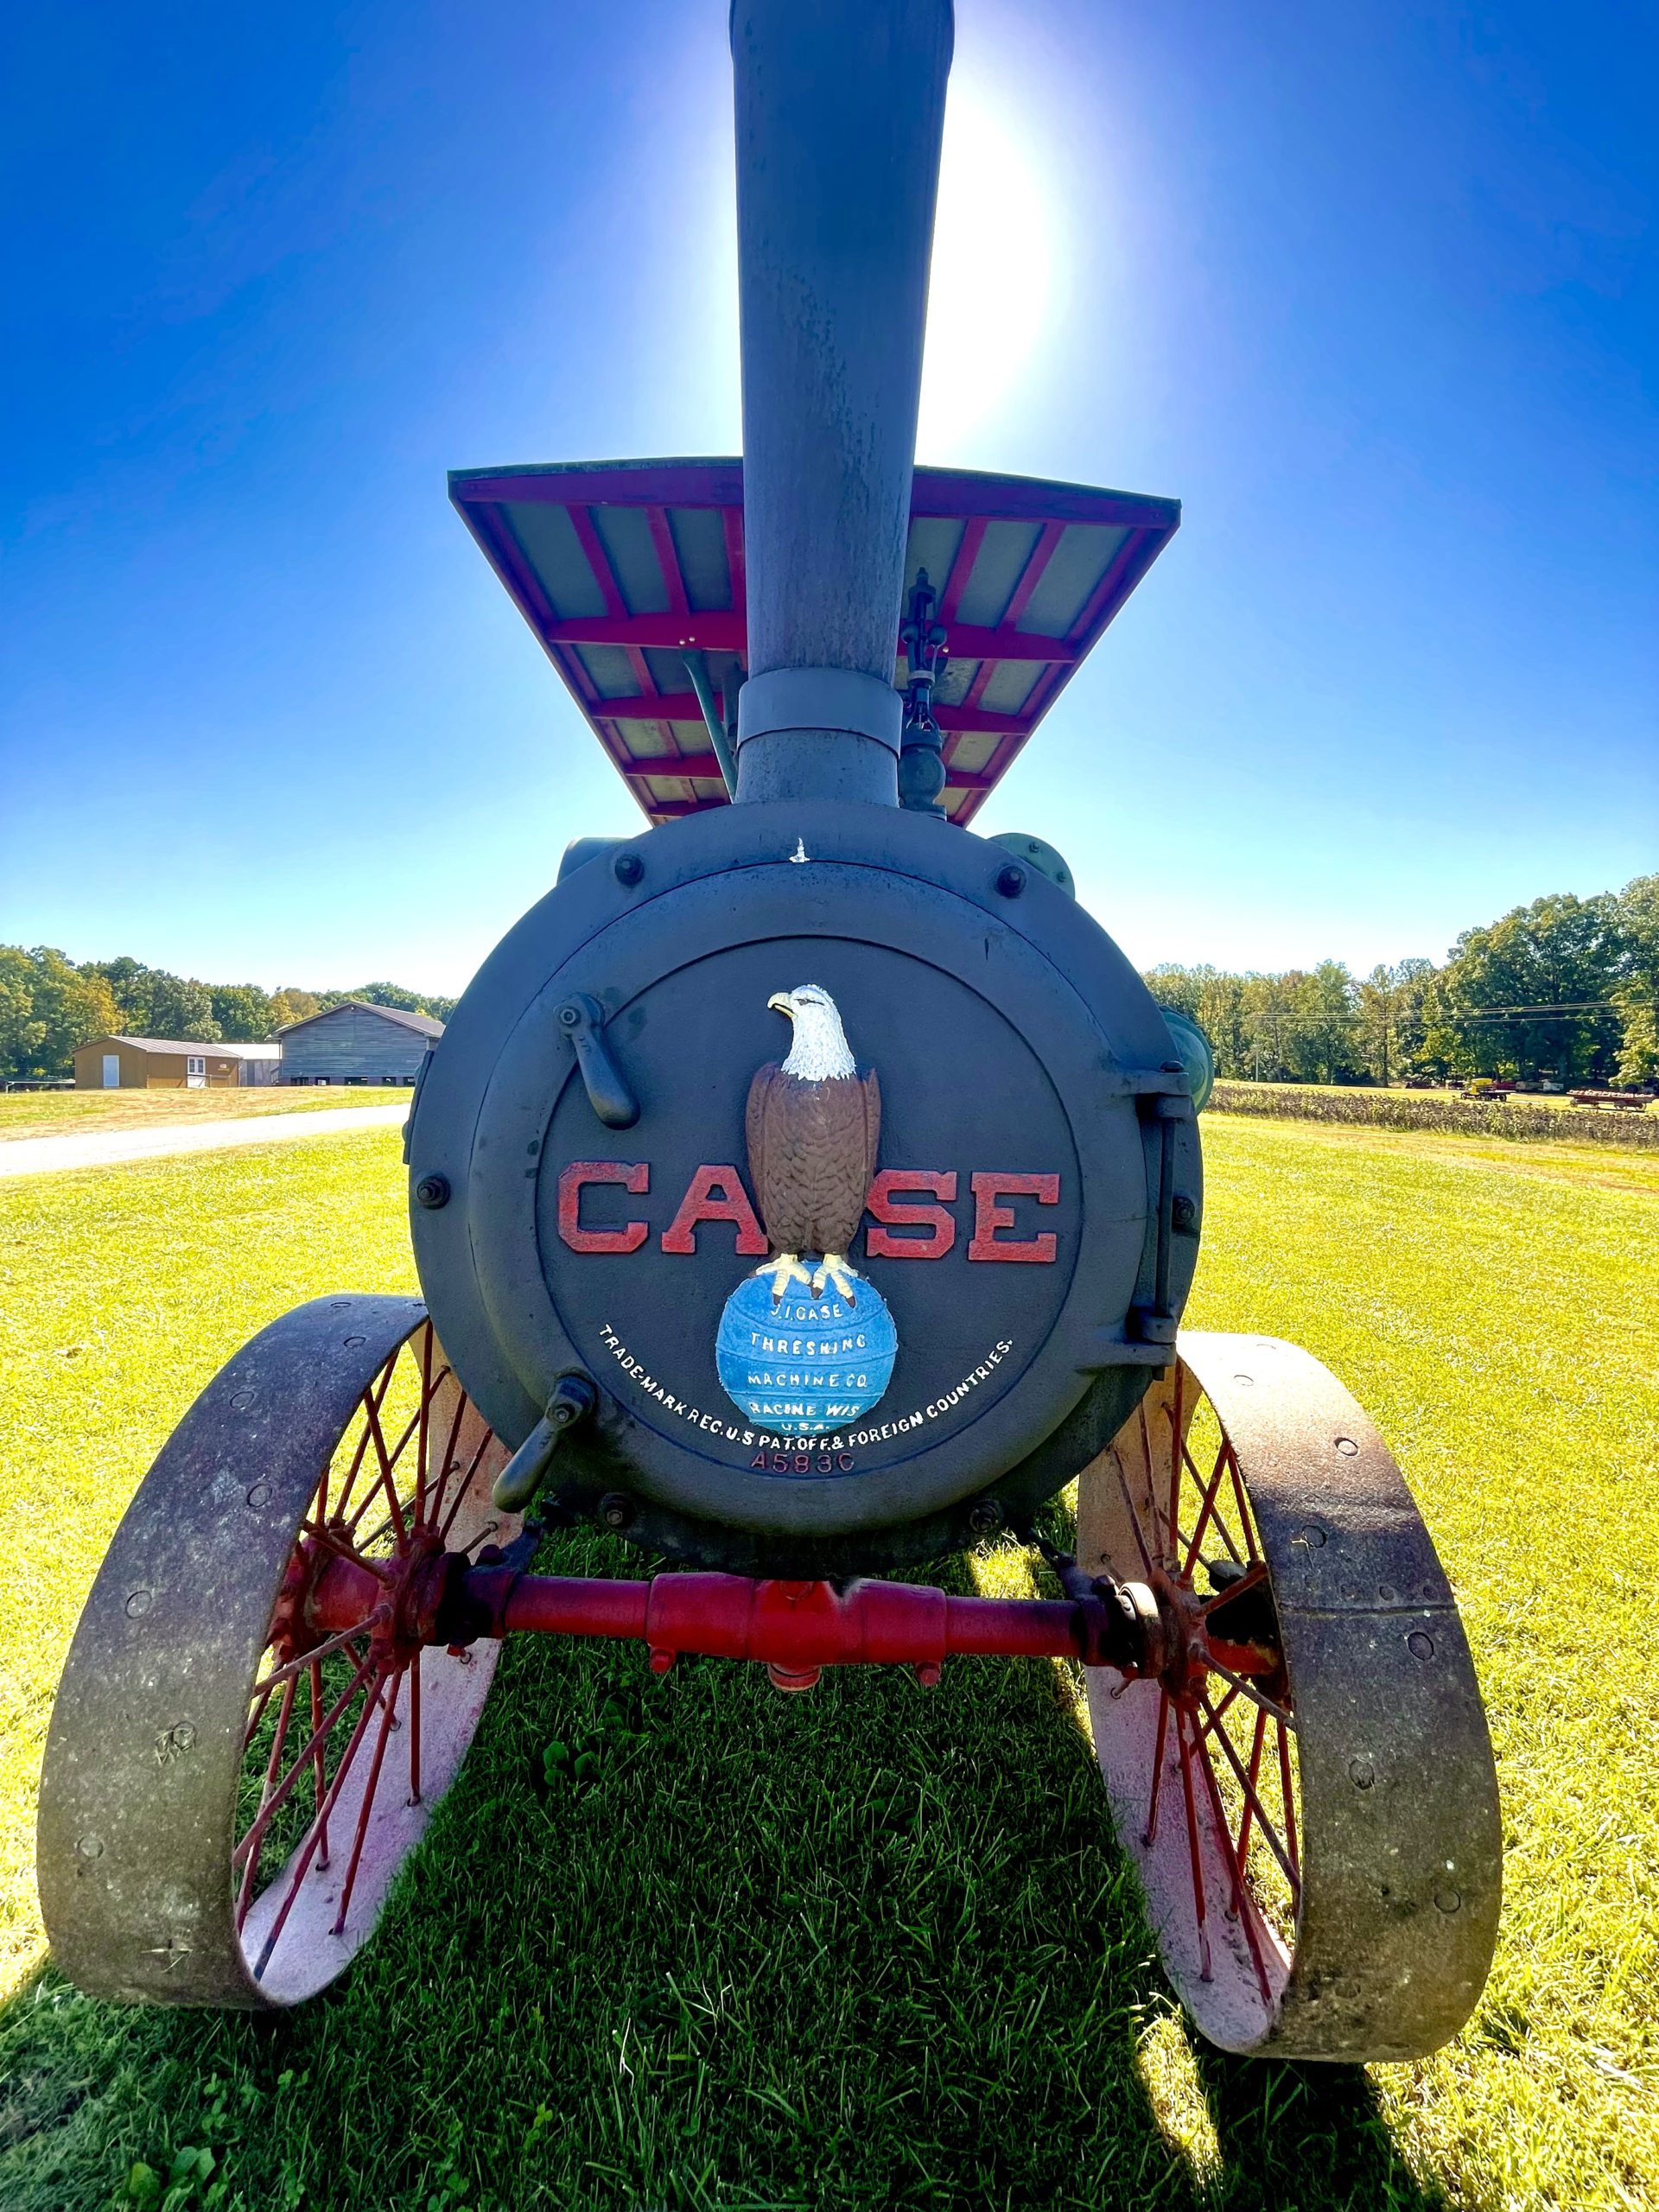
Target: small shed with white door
column 172, row 1064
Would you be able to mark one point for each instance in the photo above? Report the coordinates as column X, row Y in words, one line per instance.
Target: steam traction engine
column 806, row 1188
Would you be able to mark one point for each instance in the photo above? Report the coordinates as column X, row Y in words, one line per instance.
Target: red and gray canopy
column 622, row 568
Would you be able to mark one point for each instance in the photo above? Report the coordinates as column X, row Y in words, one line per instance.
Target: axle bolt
column 627, row 868
column 985, row 1517
column 432, row 1191
column 616, row 1509
column 1011, row 880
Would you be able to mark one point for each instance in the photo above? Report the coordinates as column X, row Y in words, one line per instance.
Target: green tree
column 1637, row 990
column 48, row 1007
column 1320, row 1041
column 181, row 1007
column 291, row 1004
column 242, row 1011
column 1178, row 986
column 1389, row 1035
column 152, row 1002
column 1221, row 1017
column 1520, row 996
column 393, row 995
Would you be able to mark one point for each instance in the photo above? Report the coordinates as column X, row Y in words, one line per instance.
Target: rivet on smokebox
column 1010, row 880
column 627, row 868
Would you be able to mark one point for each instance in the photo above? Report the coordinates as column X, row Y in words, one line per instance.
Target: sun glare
column 991, row 296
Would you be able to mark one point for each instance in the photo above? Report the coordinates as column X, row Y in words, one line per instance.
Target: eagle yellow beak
column 780, row 1002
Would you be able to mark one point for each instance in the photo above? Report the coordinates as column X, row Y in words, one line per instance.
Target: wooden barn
column 171, row 1063
column 356, row 1042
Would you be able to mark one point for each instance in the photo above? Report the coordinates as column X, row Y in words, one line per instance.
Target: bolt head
column 615, row 1510
column 569, row 1016
column 985, row 1517
column 432, row 1191
column 1010, row 880
column 627, row 868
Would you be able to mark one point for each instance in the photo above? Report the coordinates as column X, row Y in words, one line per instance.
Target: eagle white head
column 819, row 1049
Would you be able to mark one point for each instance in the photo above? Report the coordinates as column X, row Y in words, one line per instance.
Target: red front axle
column 794, row 1628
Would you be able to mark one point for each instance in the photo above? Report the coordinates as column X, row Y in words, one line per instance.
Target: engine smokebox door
column 875, row 1246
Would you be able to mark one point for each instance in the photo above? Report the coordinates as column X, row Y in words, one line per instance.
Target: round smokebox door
column 884, row 1192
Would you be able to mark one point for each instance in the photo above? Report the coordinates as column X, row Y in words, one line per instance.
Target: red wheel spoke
column 387, row 1479
column 267, row 1812
column 1246, row 1521
column 1222, row 1529
column 1206, row 1508
column 1216, row 1712
column 1150, row 1836
column 254, row 1718
column 1256, row 1741
column 1177, row 1454
column 423, row 1447
column 1288, row 1791
column 303, row 1862
column 461, row 1494
column 367, row 1806
column 1151, row 1477
column 1270, row 1834
column 1195, row 1857
column 415, row 1730
column 320, row 1777
column 374, row 1398
column 1256, row 1697
column 268, row 1682
column 330, row 1541
column 1244, row 1906
column 1135, row 1518
column 435, row 1504
column 245, row 1895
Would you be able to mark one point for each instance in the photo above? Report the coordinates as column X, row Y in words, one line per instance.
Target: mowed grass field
column 875, row 1947
column 80, row 1113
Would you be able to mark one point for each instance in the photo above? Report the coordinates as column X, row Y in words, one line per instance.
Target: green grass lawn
column 875, row 1947
column 80, row 1113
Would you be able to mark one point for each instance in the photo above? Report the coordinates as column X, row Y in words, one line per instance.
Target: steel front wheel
column 250, row 1735
column 1306, row 1786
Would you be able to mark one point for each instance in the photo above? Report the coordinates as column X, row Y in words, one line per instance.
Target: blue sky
column 1372, row 288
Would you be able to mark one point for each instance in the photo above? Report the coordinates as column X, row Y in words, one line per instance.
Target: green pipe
column 697, row 669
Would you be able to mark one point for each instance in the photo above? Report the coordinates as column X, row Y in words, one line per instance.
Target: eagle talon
column 834, row 1268
column 785, row 1267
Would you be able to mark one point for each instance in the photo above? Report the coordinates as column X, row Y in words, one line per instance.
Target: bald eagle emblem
column 813, row 1124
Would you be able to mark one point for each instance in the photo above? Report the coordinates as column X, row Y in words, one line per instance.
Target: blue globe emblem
column 803, row 1365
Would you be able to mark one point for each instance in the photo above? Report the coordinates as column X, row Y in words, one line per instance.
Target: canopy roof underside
column 622, row 568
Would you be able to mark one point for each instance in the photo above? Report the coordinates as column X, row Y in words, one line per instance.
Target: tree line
column 50, row 1004
column 1565, row 991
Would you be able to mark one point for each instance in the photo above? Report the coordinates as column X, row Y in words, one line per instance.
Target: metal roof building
column 357, row 1042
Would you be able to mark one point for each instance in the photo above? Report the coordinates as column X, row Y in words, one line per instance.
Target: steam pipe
column 839, row 115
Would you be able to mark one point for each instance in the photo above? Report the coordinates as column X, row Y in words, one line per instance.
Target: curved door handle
column 583, row 1020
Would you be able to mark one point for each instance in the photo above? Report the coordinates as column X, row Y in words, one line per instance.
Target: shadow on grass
column 871, row 1946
